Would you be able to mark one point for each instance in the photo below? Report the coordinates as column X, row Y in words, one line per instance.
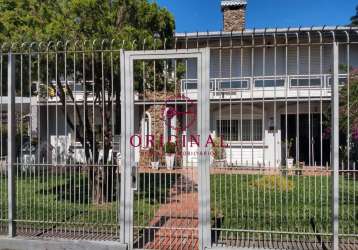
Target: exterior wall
column 298, row 61
column 266, row 153
column 285, row 64
column 55, row 131
column 248, row 153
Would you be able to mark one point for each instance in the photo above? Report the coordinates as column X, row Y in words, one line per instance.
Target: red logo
column 183, row 109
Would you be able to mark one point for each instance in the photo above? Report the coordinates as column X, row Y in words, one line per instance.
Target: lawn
column 282, row 203
column 63, row 200
column 241, row 201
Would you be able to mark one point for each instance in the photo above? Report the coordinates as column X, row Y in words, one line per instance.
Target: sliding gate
column 165, row 186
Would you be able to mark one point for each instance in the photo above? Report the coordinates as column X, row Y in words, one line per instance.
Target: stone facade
column 157, row 125
column 156, row 112
column 234, row 18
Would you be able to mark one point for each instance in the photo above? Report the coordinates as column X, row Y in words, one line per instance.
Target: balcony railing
column 279, row 82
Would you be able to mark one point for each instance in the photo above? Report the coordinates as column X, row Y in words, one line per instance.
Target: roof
column 225, row 3
column 267, row 31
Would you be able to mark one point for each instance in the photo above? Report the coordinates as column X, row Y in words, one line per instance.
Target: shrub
column 270, row 182
column 218, row 150
column 169, row 148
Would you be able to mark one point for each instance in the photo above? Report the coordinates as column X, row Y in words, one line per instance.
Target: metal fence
column 64, row 175
column 237, row 140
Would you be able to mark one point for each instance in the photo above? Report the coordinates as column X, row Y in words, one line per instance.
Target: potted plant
column 169, row 149
column 155, row 159
column 219, row 153
column 289, row 160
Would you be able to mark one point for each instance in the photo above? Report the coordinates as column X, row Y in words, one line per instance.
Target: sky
column 205, row 15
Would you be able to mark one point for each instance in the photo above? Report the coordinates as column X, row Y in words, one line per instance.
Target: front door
column 164, row 129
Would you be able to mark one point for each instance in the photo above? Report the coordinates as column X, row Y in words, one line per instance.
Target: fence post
column 335, row 148
column 11, row 144
column 203, row 158
column 127, row 152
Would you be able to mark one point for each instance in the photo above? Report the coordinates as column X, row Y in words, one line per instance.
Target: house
column 270, row 91
column 22, row 110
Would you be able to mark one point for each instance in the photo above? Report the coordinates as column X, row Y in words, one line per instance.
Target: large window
column 306, row 82
column 234, row 84
column 267, row 83
column 240, row 130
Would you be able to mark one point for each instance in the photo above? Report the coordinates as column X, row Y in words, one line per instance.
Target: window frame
column 220, row 81
column 280, row 78
column 239, row 136
column 330, row 78
column 308, row 78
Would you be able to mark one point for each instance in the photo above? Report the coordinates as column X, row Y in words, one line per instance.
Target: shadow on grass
column 77, row 187
column 155, row 187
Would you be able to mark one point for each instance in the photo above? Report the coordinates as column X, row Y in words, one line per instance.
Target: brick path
column 175, row 223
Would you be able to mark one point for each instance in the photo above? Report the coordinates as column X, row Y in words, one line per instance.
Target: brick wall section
column 234, row 18
column 157, row 124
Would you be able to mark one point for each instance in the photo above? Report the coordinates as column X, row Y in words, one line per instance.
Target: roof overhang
column 268, row 32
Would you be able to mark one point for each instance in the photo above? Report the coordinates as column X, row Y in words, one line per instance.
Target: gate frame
column 127, row 129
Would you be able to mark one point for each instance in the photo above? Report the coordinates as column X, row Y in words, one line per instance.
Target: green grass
column 245, row 205
column 245, row 202
column 46, row 201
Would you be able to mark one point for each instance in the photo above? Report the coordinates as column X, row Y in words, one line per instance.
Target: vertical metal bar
column 335, row 147
column 127, row 130
column 123, row 236
column 204, row 160
column 11, row 144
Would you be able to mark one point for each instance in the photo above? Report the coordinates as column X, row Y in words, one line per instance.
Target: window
column 269, row 83
column 225, row 130
column 342, row 81
column 190, row 84
column 234, row 84
column 76, row 87
column 231, row 130
column 193, row 84
column 146, row 129
column 306, row 82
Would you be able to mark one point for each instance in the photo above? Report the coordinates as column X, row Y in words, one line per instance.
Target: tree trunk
column 103, row 179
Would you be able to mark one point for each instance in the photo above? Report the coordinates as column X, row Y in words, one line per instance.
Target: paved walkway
column 175, row 223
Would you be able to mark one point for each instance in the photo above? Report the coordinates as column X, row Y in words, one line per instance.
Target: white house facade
column 268, row 88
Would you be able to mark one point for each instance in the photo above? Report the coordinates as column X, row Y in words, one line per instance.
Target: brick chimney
column 234, row 13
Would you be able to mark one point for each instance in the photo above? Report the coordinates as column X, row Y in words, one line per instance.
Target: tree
column 348, row 120
column 348, row 117
column 348, row 111
column 72, row 20
column 354, row 19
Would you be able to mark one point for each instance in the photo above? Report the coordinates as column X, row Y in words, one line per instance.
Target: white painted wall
column 265, row 153
column 298, row 61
